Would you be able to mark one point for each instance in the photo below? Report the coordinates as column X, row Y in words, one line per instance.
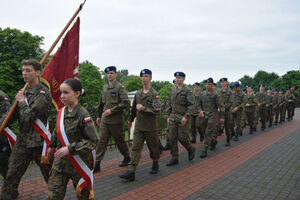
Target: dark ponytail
column 75, row 85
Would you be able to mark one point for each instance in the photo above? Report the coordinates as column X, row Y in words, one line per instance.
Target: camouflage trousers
column 17, row 165
column 139, row 138
column 196, row 126
column 106, row 132
column 58, row 182
column 210, row 133
column 237, row 121
column 180, row 133
column 263, row 115
column 4, row 156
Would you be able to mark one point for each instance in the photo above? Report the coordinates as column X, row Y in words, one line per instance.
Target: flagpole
column 14, row 106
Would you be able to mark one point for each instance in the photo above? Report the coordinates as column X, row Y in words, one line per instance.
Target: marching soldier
column 276, row 106
column 282, row 105
column 113, row 101
column 237, row 109
column 226, row 95
column 210, row 105
column 291, row 99
column 77, row 126
column 261, row 103
column 250, row 107
column 181, row 105
column 195, row 120
column 167, row 146
column 4, row 145
column 270, row 106
column 145, row 108
column 34, row 104
column 297, row 99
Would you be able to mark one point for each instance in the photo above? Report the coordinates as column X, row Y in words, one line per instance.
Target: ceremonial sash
column 45, row 133
column 82, row 169
column 10, row 136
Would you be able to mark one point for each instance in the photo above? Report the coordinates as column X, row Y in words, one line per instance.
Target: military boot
column 97, row 167
column 154, row 168
column 251, row 131
column 125, row 162
column 203, row 154
column 255, row 129
column 128, row 175
column 192, row 154
column 193, row 140
column 227, row 143
column 213, row 145
column 236, row 138
column 166, row 147
column 173, row 161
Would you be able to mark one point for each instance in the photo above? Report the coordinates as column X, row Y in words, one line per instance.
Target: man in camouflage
column 145, row 109
column 195, row 120
column 250, row 107
column 237, row 109
column 181, row 105
column 281, row 105
column 113, row 101
column 210, row 105
column 270, row 106
column 34, row 104
column 261, row 103
column 291, row 99
column 226, row 95
column 297, row 99
column 276, row 106
column 4, row 145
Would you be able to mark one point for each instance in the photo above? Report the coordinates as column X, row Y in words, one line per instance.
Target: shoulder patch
column 42, row 92
column 157, row 104
column 87, row 119
column 5, row 99
column 157, row 97
column 125, row 96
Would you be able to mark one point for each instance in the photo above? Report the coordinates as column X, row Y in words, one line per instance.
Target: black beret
column 235, row 84
column 209, row 80
column 262, row 85
column 174, row 81
column 196, row 83
column 110, row 68
column 223, row 79
column 179, row 74
column 145, row 71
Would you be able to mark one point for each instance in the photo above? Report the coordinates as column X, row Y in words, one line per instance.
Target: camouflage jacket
column 226, row 96
column 197, row 96
column 281, row 100
column 39, row 104
column 252, row 101
column 269, row 101
column 146, row 117
column 181, row 103
column 113, row 97
column 4, row 107
column 261, row 98
column 82, row 136
column 238, row 99
column 210, row 103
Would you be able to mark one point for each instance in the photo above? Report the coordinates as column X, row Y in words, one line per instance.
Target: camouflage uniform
column 290, row 98
column 261, row 99
column 276, row 108
column 250, row 110
column 181, row 104
column 113, row 97
column 195, row 120
column 270, row 107
column 282, row 107
column 297, row 100
column 83, row 139
column 4, row 145
column 29, row 143
column 238, row 101
column 226, row 96
column 146, row 126
column 209, row 104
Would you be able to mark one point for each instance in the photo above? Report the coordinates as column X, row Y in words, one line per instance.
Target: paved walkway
column 265, row 165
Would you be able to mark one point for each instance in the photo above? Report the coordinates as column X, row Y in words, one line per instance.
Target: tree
column 133, row 83
column 92, row 82
column 247, row 80
column 157, row 85
column 165, row 92
column 14, row 47
column 265, row 78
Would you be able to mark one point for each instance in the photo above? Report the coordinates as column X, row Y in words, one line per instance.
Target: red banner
column 63, row 65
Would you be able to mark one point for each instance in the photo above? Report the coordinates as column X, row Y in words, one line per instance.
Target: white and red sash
column 11, row 137
column 39, row 127
column 82, row 169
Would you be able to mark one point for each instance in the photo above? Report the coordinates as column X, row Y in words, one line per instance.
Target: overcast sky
column 203, row 38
